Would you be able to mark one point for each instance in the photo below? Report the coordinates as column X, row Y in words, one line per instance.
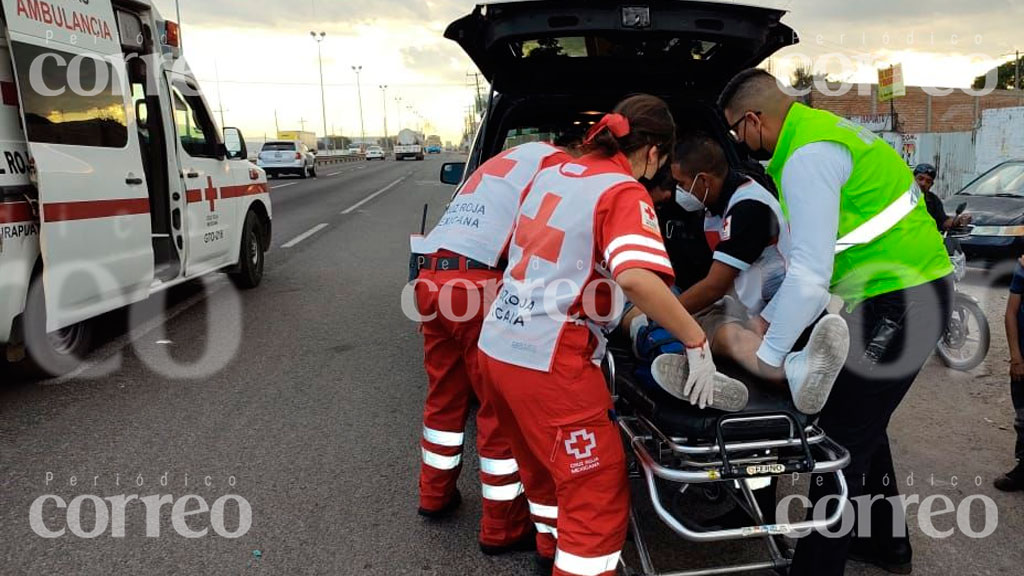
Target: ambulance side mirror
column 234, row 144
column 452, row 172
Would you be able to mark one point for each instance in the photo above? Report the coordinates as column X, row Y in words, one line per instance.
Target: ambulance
column 115, row 181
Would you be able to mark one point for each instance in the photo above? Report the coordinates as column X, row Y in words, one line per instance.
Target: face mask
column 762, row 154
column 688, row 201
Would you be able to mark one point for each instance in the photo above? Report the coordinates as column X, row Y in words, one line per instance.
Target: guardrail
column 322, row 160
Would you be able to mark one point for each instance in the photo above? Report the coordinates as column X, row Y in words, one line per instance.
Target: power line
column 336, row 85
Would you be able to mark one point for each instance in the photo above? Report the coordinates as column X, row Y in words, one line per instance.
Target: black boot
column 445, row 511
column 1012, row 481
column 898, row 561
column 545, row 566
column 527, row 543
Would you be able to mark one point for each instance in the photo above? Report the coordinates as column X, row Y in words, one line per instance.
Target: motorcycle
column 966, row 341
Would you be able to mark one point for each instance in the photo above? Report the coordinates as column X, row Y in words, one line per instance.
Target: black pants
column 858, row 412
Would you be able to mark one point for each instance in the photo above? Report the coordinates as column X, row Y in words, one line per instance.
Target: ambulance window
column 195, row 127
column 70, row 99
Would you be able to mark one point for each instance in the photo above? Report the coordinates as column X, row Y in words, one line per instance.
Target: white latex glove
column 700, row 385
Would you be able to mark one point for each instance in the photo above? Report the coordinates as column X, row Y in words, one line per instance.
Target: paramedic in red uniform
column 583, row 225
column 458, row 264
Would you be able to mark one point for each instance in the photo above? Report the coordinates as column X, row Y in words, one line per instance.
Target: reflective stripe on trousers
column 506, row 493
column 441, row 438
column 581, row 566
column 440, row 462
column 498, row 467
column 882, row 222
column 544, row 511
column 543, row 528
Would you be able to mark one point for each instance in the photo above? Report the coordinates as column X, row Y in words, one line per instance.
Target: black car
column 995, row 200
column 556, row 67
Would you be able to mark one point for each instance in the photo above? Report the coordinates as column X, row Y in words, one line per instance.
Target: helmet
column 925, row 169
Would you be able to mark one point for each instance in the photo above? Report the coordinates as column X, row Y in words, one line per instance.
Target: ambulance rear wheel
column 56, row 353
column 251, row 257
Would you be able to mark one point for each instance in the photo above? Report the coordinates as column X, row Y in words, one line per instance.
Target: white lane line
column 372, row 196
column 333, row 174
column 283, row 185
column 304, row 236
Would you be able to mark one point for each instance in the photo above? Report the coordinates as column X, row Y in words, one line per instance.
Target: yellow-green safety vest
column 887, row 240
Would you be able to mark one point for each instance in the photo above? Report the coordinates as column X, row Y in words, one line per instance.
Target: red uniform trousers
column 453, row 315
column 570, row 454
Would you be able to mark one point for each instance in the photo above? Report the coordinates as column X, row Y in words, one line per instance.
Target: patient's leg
column 734, row 342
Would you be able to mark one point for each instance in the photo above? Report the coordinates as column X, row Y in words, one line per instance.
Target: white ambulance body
column 115, row 181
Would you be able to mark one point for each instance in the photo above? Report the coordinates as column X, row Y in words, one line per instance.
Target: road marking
column 333, row 173
column 283, row 185
column 304, row 236
column 372, row 196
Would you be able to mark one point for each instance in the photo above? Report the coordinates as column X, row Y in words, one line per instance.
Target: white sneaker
column 670, row 371
column 812, row 372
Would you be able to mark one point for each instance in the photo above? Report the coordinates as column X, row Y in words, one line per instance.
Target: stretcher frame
column 686, row 463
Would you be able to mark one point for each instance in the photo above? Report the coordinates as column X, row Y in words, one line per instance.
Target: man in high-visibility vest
column 859, row 230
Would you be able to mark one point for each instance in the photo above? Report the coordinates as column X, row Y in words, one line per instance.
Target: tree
column 1005, row 74
column 804, row 78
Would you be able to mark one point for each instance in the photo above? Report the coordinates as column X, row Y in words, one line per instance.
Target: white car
column 287, row 157
column 375, row 153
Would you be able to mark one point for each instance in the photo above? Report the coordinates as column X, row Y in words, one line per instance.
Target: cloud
column 298, row 15
column 444, row 62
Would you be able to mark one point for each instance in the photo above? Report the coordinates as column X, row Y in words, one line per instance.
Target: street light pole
column 359, row 92
column 398, row 100
column 323, row 98
column 384, row 92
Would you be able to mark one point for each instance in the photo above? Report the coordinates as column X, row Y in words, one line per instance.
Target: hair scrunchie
column 617, row 124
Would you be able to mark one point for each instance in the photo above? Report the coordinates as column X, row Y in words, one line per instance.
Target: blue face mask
column 688, row 201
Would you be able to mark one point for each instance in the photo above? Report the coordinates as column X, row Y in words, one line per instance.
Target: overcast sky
column 267, row 61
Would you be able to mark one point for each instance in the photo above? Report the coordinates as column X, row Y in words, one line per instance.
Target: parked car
column 995, row 201
column 375, row 153
column 287, row 157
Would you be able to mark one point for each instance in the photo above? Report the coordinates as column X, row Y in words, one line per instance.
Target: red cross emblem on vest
column 537, row 238
column 499, row 167
column 211, row 193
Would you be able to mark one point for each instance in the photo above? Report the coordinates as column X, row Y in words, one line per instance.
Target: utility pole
column 220, row 98
column 1016, row 71
column 384, row 93
column 323, row 98
column 359, row 93
column 302, row 122
column 181, row 42
column 398, row 100
column 277, row 127
column 477, row 95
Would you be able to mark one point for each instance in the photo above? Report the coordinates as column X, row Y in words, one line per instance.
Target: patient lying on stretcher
column 746, row 231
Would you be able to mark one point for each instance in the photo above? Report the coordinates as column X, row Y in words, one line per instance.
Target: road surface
column 303, row 398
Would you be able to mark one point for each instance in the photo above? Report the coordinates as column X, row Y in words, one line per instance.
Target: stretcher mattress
column 679, row 419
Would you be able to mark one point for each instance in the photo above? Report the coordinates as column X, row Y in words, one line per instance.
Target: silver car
column 287, row 157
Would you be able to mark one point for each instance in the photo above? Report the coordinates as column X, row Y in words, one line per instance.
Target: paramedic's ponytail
column 637, row 121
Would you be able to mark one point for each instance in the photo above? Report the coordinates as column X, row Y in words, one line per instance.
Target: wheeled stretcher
column 675, row 447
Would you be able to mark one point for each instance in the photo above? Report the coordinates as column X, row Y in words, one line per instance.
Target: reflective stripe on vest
column 882, row 222
column 498, row 467
column 506, row 493
column 441, row 438
column 441, row 462
column 581, row 566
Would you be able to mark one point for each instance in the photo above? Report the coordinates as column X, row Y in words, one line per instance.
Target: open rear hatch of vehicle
column 655, row 45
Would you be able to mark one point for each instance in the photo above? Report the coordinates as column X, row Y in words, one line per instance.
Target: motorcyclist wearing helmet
column 925, row 175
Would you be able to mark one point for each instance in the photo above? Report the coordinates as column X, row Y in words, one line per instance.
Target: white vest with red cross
column 756, row 286
column 479, row 220
column 551, row 263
